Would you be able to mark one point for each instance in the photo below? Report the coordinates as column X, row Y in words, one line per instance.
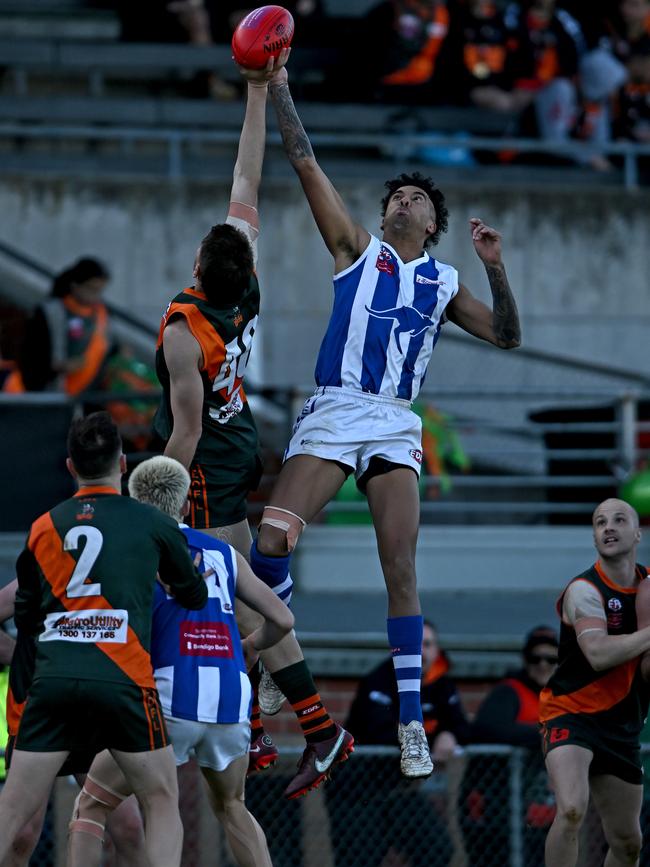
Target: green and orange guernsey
column 225, row 336
column 615, row 698
column 85, row 586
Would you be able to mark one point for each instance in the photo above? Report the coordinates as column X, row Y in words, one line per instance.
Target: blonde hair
column 162, row 482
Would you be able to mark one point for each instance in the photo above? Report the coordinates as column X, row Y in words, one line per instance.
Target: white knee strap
column 293, row 526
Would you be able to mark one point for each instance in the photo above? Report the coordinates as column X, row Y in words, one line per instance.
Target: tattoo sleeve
column 294, row 137
column 505, row 317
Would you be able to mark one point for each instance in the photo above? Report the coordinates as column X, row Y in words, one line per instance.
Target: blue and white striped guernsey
column 385, row 322
column 197, row 656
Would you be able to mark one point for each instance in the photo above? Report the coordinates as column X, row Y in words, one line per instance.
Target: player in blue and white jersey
column 199, row 666
column 390, row 301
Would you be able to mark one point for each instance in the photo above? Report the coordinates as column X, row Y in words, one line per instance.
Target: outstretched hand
column 487, row 242
column 274, row 70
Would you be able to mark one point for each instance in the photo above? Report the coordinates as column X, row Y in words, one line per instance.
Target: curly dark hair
column 428, row 186
column 226, row 263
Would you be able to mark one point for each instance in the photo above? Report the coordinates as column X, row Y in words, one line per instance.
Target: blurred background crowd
column 566, row 69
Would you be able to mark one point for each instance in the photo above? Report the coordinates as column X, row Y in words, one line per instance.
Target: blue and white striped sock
column 405, row 638
column 274, row 572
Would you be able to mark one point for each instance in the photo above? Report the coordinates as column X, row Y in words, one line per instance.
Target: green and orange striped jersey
column 225, row 336
column 617, row 697
column 86, row 580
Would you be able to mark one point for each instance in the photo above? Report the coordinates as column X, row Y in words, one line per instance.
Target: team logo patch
column 237, row 317
column 205, row 639
column 416, row 454
column 558, row 735
column 385, row 262
column 87, row 513
column 615, row 613
column 408, row 320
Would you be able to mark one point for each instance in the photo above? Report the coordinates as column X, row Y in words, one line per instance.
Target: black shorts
column 76, row 763
column 219, row 491
column 88, row 716
column 620, row 758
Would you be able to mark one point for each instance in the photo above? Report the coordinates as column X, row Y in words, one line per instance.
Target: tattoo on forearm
column 504, row 309
column 294, row 137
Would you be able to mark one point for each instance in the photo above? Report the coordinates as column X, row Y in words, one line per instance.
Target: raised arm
column 500, row 325
column 343, row 237
column 183, row 356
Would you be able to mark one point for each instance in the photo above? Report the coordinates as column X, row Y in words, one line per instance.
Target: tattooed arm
column 343, row 237
column 500, row 325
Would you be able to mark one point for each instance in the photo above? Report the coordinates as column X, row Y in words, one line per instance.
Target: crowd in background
column 565, row 69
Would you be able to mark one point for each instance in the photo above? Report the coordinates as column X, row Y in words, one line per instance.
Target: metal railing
column 179, row 145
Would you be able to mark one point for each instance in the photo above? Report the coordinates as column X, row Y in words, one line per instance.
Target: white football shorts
column 214, row 745
column 352, row 427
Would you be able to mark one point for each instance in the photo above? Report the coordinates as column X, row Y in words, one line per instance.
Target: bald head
column 611, row 507
column 616, row 530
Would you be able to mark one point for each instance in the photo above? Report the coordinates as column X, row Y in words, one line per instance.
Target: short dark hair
column 83, row 270
column 428, row 186
column 94, row 444
column 226, row 263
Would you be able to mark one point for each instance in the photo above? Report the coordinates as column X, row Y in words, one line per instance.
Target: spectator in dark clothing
column 475, row 58
column 633, row 120
column 391, row 822
column 396, row 61
column 543, row 65
column 509, row 715
column 374, row 713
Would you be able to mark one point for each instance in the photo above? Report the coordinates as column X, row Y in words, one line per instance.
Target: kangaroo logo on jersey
column 409, row 321
column 385, row 261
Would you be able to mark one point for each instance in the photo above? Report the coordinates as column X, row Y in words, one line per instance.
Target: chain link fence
column 488, row 807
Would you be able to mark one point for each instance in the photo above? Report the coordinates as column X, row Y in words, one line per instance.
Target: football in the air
column 263, row 33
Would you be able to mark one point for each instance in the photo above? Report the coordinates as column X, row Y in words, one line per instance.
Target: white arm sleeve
column 583, row 602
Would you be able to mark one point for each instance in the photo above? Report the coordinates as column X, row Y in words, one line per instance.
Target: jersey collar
column 89, row 490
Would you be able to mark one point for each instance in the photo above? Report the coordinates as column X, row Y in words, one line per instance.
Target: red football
column 263, row 33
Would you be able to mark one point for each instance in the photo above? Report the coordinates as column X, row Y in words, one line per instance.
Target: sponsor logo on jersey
column 87, row 626
column 87, row 513
column 416, row 454
column 205, row 639
column 614, row 604
column 420, row 279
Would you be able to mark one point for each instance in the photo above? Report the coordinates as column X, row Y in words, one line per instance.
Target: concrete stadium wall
column 578, row 259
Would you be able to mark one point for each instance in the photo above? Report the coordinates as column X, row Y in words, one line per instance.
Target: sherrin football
column 263, row 33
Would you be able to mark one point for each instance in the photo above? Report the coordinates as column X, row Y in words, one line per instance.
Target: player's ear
column 71, row 469
column 122, row 464
column 431, row 227
column 186, row 508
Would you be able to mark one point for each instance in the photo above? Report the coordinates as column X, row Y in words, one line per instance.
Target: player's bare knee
column 126, row 828
column 279, row 531
column 25, row 840
column 400, row 577
column 572, row 815
column 626, row 846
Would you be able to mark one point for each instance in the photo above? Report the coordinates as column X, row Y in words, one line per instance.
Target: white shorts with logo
column 352, row 427
column 214, row 745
